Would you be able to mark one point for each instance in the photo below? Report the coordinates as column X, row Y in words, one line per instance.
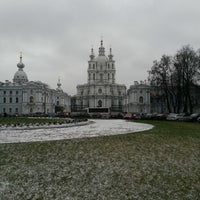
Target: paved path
column 98, row 128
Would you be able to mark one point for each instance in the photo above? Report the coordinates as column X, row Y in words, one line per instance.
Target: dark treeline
column 177, row 77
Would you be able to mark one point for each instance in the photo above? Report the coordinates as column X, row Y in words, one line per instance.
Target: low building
column 24, row 97
column 138, row 98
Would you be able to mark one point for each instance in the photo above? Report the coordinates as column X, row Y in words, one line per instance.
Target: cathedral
column 101, row 94
column 24, row 97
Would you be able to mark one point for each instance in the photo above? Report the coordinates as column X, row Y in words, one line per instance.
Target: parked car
column 128, row 116
column 182, row 116
column 148, row 116
column 137, row 116
column 190, row 118
column 172, row 117
column 160, row 116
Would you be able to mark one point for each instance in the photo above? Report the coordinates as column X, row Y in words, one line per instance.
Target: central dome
column 20, row 77
column 101, row 60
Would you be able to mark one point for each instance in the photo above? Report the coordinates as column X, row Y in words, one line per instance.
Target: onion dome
column 101, row 58
column 20, row 76
column 59, row 86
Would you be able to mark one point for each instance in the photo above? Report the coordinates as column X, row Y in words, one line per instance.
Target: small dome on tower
column 59, row 86
column 20, row 76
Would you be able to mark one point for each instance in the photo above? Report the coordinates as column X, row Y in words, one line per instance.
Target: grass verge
column 162, row 163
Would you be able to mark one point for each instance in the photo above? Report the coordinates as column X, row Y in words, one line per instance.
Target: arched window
column 101, row 77
column 99, row 103
column 141, row 100
column 31, row 99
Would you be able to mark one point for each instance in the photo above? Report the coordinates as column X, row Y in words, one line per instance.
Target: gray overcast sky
column 56, row 36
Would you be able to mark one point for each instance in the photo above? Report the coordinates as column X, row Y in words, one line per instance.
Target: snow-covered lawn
column 162, row 163
column 84, row 129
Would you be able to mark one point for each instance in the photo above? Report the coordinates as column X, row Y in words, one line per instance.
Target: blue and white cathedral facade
column 101, row 93
column 24, row 97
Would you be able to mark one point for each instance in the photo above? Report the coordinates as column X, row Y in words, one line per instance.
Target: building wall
column 138, row 96
column 31, row 97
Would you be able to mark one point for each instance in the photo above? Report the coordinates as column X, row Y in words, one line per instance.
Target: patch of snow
column 97, row 128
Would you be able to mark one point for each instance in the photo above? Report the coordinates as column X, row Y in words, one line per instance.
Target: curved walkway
column 98, row 128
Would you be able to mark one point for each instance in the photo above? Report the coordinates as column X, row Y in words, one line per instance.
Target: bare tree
column 186, row 65
column 176, row 77
column 160, row 76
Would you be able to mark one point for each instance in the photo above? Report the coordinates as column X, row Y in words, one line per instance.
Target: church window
column 141, row 100
column 81, row 104
column 99, row 103
column 101, row 77
column 17, row 100
column 10, row 100
column 4, row 100
column 31, row 99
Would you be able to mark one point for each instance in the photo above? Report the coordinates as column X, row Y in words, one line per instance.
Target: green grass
column 26, row 120
column 162, row 163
